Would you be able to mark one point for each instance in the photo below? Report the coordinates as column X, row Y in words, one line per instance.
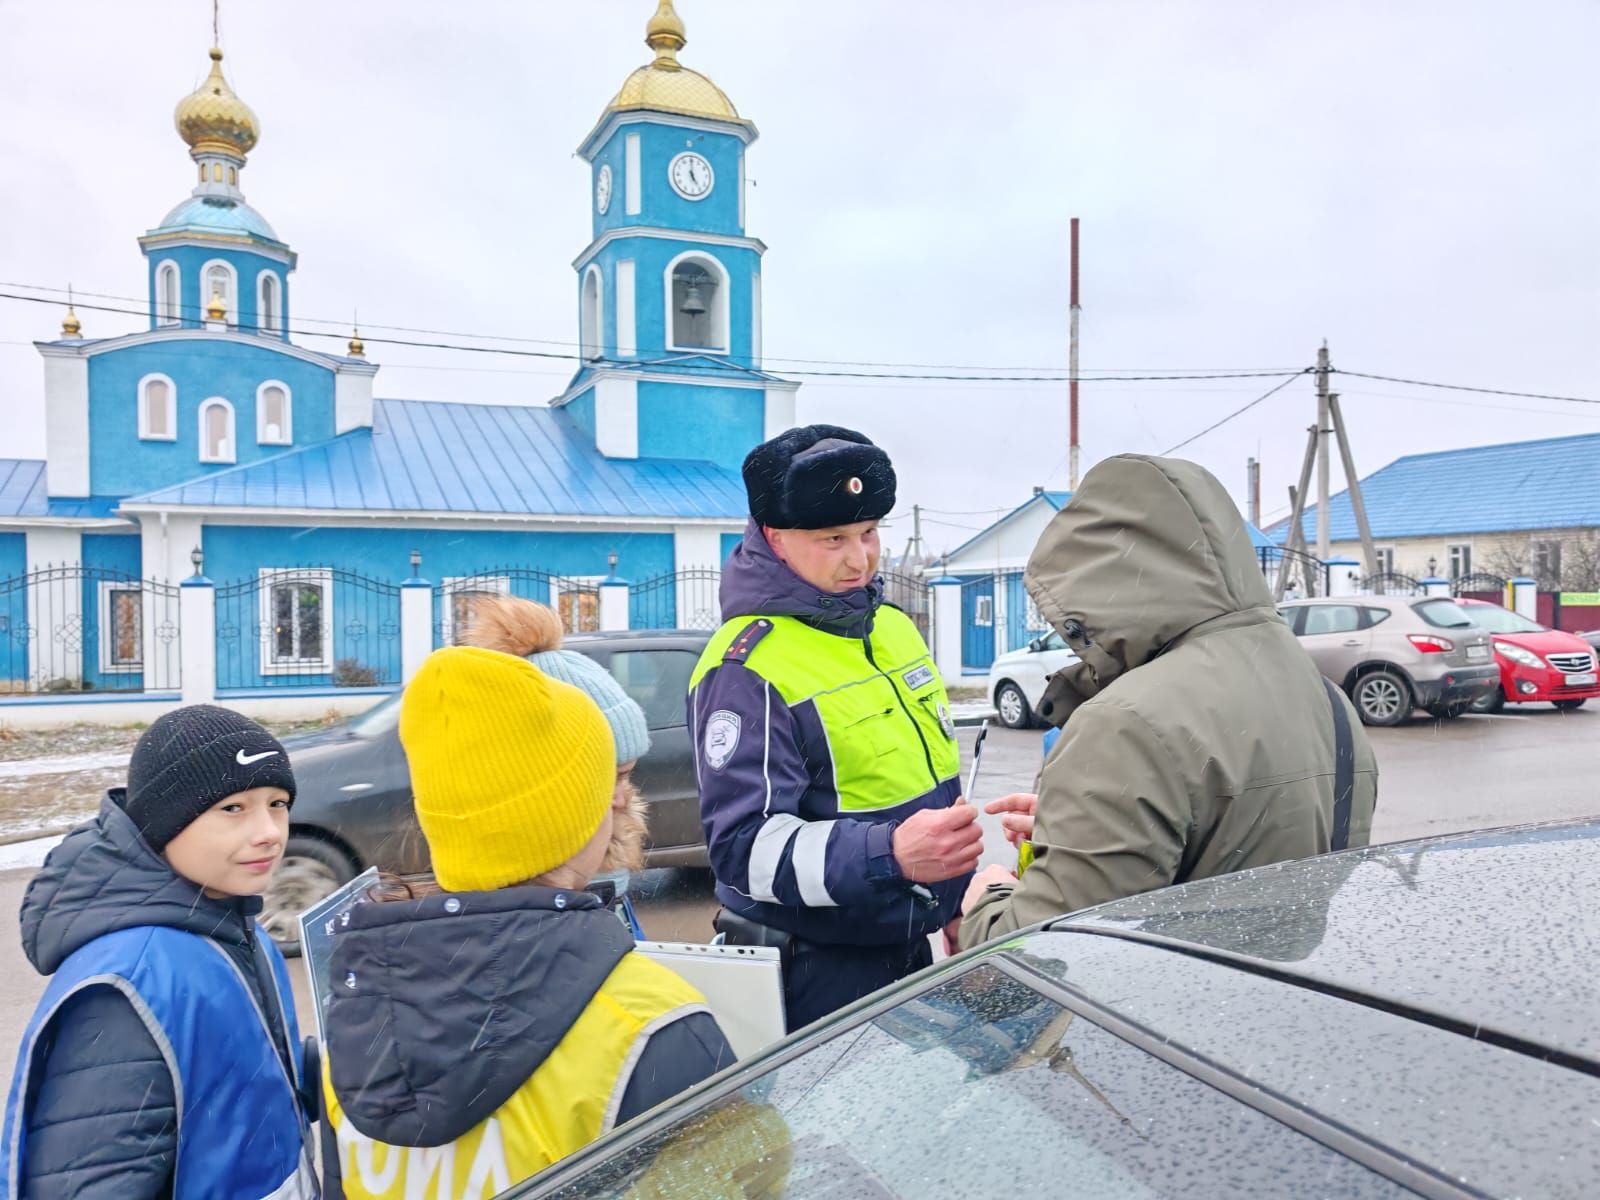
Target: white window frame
column 144, row 409
column 1383, row 557
column 108, row 664
column 232, row 307
column 286, row 434
column 231, row 453
column 169, row 314
column 490, row 585
column 265, row 310
column 587, row 583
column 271, row 577
column 713, row 266
column 983, row 612
column 1455, row 551
column 592, row 318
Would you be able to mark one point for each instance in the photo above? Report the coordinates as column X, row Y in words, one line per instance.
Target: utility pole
column 1323, row 419
column 1072, row 366
column 916, row 530
column 1352, row 483
column 1253, row 491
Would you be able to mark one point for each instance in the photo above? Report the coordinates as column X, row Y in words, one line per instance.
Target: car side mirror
column 1036, row 645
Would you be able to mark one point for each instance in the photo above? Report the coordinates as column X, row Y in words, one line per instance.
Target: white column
column 197, row 632
column 779, row 410
column 1344, row 577
column 55, row 605
column 693, row 547
column 627, row 309
column 632, row 176
column 1002, row 613
column 416, row 626
column 616, row 416
column 1525, row 597
column 947, row 629
column 613, row 604
column 66, row 420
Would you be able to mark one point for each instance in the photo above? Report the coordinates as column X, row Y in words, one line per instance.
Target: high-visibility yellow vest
column 569, row 1101
column 887, row 716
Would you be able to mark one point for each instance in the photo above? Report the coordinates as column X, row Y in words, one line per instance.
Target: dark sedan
column 354, row 809
column 1409, row 1019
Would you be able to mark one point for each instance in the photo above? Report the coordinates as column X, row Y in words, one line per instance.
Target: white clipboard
column 743, row 985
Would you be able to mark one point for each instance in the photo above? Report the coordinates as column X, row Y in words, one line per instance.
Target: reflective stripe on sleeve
column 766, row 853
column 810, row 859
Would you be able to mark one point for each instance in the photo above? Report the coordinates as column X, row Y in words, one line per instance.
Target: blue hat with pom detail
column 622, row 713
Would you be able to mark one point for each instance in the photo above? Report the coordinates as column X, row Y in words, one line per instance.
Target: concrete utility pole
column 1072, row 366
column 1253, row 491
column 1323, row 429
column 1352, row 483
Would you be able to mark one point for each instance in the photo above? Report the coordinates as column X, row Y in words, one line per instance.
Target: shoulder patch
column 748, row 638
column 721, row 738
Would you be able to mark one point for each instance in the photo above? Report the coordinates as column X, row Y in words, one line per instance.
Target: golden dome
column 667, row 85
column 215, row 121
column 70, row 326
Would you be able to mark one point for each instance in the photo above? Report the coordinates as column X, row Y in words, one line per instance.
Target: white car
column 1017, row 679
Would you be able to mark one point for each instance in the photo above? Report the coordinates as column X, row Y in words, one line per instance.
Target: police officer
column 826, row 754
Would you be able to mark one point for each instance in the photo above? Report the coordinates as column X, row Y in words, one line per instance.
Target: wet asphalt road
column 1472, row 773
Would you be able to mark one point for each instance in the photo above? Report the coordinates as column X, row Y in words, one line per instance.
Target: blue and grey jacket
column 820, row 724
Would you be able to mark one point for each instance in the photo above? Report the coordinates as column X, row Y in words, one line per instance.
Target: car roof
column 1489, row 932
column 623, row 637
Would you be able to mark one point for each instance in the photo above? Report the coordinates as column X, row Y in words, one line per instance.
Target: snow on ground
column 29, row 854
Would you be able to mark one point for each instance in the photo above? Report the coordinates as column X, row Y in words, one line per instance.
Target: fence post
column 1344, row 575
column 947, row 628
column 1525, row 597
column 1433, row 585
column 614, row 592
column 197, row 639
column 416, row 621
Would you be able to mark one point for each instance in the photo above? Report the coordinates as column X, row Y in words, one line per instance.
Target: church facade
column 212, row 442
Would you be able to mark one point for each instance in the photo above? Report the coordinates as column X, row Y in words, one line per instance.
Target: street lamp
column 416, row 562
column 1433, row 567
column 611, row 562
column 197, row 559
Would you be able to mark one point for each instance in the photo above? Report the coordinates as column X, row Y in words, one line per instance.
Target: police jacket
column 163, row 1058
column 820, row 723
column 474, row 1038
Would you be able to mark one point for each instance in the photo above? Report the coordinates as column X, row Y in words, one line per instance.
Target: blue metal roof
column 1553, row 483
column 205, row 214
column 423, row 456
column 22, row 494
column 1056, row 500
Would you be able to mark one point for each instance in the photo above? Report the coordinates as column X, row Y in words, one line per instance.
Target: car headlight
column 1517, row 654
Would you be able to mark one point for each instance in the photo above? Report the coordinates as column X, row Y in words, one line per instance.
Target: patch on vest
column 722, row 737
column 918, row 677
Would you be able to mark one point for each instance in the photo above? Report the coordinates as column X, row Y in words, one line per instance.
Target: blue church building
column 213, row 442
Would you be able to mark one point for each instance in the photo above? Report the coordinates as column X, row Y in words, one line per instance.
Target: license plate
column 1477, row 652
column 1587, row 679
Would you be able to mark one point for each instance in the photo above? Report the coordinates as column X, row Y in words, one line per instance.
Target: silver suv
column 1396, row 653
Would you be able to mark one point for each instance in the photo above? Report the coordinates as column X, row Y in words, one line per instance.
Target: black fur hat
column 816, row 477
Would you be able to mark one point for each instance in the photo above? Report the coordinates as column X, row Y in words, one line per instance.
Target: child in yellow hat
column 507, row 1017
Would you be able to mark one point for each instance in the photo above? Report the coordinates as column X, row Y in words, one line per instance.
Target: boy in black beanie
column 164, row 1057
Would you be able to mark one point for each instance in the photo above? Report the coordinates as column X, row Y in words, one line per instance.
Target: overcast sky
column 1414, row 181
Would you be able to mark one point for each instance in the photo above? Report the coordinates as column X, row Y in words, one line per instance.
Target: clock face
column 602, row 189
column 691, row 176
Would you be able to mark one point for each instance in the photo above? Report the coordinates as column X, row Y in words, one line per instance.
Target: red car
column 1536, row 664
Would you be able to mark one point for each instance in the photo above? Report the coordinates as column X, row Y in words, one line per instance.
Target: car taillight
column 1429, row 644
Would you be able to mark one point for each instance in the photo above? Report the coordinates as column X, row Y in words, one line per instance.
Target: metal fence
column 87, row 629
column 576, row 600
column 1480, row 585
column 687, row 599
column 1390, row 583
column 912, row 596
column 1302, row 574
column 308, row 626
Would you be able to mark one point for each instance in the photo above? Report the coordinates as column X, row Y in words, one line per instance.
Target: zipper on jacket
column 927, row 754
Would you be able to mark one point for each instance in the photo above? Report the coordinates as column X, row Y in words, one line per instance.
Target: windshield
column 377, row 720
column 1502, row 620
column 1443, row 614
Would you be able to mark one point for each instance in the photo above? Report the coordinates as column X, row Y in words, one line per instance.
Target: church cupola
column 214, row 246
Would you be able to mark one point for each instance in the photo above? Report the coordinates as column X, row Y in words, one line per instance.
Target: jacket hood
column 756, row 584
column 443, row 1007
column 1146, row 551
column 104, row 877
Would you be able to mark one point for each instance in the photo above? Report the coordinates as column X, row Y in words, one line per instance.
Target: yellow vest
column 567, row 1103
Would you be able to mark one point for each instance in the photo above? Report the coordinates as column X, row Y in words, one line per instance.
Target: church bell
column 694, row 304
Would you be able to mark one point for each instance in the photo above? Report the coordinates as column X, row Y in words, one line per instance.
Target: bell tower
column 669, row 287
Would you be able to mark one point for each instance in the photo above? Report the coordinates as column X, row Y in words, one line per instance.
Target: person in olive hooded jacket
column 1199, row 738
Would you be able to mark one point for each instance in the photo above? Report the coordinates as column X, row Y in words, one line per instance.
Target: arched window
column 267, row 306
column 592, row 334
column 168, row 295
column 274, row 414
column 697, row 303
column 216, row 431
column 158, row 409
column 218, row 280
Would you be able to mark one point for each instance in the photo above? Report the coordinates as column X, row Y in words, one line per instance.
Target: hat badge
column 853, row 486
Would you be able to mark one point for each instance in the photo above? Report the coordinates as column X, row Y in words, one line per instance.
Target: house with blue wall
column 211, row 441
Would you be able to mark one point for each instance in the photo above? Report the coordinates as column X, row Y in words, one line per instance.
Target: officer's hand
column 938, row 843
column 1018, row 819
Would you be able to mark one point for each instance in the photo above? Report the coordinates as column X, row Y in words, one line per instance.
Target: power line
column 1462, row 387
column 1239, row 411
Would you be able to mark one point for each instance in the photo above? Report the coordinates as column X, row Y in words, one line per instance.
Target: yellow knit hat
column 512, row 771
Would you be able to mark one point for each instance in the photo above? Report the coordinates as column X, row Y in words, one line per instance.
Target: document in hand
column 318, row 924
column 743, row 985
